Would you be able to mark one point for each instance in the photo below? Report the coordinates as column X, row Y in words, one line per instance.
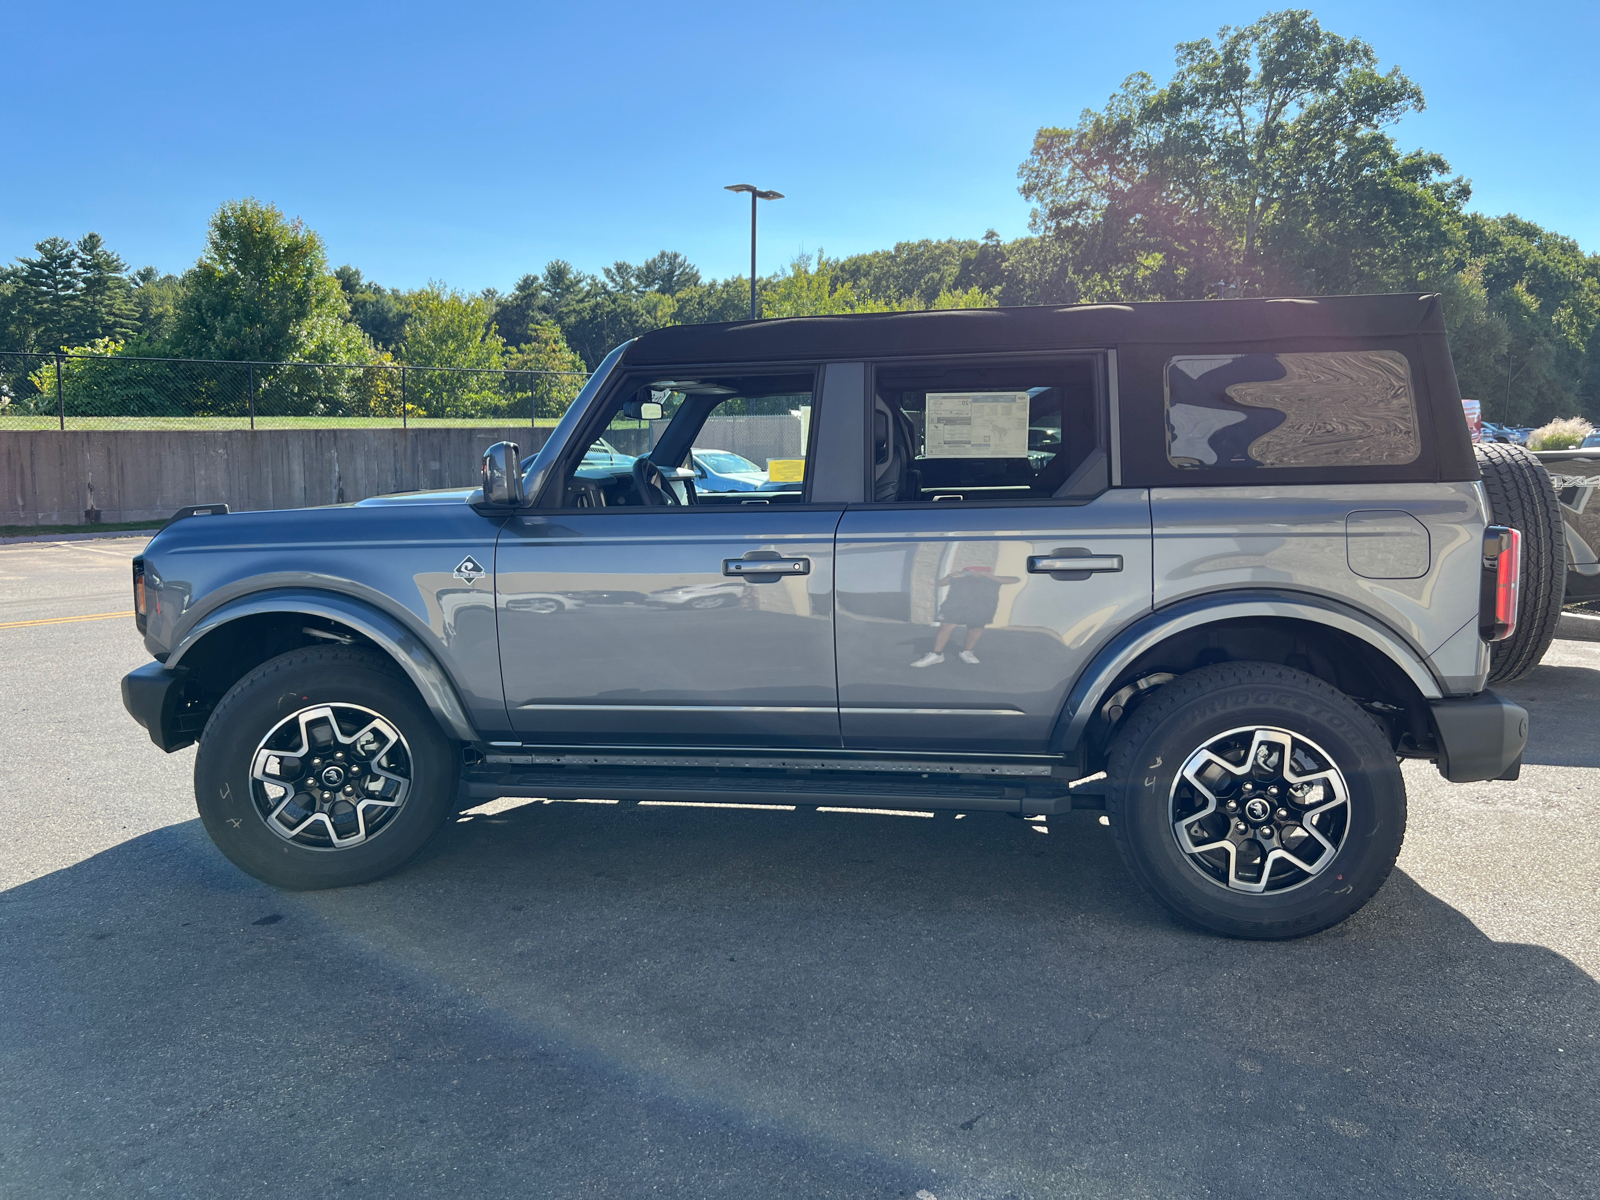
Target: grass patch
column 110, row 527
column 111, row 424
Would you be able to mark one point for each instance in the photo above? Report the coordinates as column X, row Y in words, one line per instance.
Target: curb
column 1579, row 627
column 79, row 537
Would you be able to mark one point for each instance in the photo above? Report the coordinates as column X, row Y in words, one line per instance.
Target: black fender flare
column 1095, row 681
column 408, row 650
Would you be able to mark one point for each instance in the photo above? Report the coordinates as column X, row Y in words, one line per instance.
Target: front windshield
column 531, row 467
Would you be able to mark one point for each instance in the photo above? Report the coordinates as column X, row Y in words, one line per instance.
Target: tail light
column 139, row 616
column 1502, row 579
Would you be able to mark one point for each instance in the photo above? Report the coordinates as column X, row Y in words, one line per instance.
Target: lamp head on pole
column 753, row 190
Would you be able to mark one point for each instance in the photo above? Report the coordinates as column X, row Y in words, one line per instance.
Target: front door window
column 717, row 439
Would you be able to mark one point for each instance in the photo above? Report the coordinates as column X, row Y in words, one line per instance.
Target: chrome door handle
column 1050, row 564
column 766, row 566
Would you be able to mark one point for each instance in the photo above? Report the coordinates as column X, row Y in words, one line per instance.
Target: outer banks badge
column 470, row 570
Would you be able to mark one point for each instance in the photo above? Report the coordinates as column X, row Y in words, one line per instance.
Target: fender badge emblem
column 469, row 571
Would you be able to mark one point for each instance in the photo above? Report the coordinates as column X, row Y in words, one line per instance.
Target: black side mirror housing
column 502, row 476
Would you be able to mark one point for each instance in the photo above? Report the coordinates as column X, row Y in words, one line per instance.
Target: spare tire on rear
column 1520, row 496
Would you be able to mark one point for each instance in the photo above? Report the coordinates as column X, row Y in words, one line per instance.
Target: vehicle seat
column 893, row 442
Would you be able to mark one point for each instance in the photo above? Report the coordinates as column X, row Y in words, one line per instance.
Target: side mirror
column 502, row 476
column 641, row 410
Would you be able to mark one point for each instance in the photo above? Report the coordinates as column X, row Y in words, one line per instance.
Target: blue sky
column 473, row 143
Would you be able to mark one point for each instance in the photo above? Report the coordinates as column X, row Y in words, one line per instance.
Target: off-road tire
column 282, row 686
column 1181, row 717
column 1520, row 496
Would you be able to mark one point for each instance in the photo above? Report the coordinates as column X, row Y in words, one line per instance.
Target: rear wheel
column 1254, row 800
column 322, row 768
column 1521, row 497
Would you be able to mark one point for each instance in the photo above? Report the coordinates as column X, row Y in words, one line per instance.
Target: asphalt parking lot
column 596, row 1000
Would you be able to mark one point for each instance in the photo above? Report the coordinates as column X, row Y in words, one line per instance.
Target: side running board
column 1000, row 787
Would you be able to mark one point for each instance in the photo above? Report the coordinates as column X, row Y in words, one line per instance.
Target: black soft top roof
column 1077, row 326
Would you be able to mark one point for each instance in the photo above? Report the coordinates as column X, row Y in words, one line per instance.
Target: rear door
column 994, row 558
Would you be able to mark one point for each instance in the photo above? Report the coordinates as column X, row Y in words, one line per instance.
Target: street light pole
column 755, row 194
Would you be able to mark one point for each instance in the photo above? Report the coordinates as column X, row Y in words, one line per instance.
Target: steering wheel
column 651, row 484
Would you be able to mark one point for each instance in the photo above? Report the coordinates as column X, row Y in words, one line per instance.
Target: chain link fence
column 89, row 391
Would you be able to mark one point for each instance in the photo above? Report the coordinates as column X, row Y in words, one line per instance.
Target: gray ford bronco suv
column 1214, row 568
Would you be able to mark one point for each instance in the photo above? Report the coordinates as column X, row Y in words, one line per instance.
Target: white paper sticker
column 976, row 425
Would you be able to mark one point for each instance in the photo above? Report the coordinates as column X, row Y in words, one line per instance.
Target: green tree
column 380, row 312
column 155, row 298
column 1262, row 166
column 69, row 294
column 98, row 381
column 555, row 372
column 451, row 329
column 105, row 308
column 564, row 283
column 1543, row 294
column 806, row 289
column 713, row 301
column 518, row 315
column 669, row 273
column 16, row 333
column 603, row 317
column 48, row 291
column 261, row 279
column 910, row 271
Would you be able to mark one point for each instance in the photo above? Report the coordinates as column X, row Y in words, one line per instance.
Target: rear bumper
column 1480, row 737
column 153, row 697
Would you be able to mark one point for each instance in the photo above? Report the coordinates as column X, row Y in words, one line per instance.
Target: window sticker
column 1317, row 409
column 786, row 470
column 976, row 425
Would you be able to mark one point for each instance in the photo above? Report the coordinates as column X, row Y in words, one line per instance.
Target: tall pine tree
column 48, row 288
column 105, row 305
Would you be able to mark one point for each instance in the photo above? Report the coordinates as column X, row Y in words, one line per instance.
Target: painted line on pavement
column 64, row 620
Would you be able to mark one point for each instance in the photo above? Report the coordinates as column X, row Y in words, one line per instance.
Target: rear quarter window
column 1299, row 410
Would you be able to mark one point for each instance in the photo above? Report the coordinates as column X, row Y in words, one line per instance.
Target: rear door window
column 981, row 432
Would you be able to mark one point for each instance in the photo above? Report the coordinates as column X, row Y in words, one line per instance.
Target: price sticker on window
column 786, row 470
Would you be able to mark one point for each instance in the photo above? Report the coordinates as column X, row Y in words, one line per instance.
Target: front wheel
column 322, row 768
column 1254, row 800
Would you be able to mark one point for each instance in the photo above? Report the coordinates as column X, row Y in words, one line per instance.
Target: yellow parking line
column 64, row 620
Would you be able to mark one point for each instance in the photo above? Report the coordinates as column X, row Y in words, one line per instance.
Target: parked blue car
column 725, row 471
column 602, row 460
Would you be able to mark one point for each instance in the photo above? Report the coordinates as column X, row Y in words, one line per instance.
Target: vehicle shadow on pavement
column 603, row 1000
column 1561, row 701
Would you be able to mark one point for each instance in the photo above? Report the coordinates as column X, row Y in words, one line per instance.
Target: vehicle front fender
column 1095, row 682
column 377, row 626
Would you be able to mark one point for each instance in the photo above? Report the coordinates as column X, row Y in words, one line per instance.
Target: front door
column 647, row 610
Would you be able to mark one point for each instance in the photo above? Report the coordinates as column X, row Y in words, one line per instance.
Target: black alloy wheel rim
column 330, row 776
column 1260, row 810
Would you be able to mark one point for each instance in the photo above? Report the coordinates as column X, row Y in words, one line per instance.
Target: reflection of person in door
column 971, row 602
